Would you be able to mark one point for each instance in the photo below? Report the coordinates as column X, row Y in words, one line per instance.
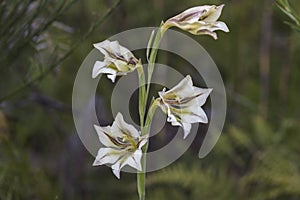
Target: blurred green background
column 43, row 44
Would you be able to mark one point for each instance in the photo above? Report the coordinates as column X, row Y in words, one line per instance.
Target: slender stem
column 143, row 97
column 142, row 106
column 141, row 177
column 159, row 34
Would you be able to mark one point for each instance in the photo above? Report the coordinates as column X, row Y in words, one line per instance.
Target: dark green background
column 41, row 156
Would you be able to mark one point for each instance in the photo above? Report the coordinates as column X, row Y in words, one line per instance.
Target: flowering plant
column 124, row 144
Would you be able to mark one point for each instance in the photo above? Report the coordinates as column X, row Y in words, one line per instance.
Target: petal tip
column 96, row 163
column 96, row 126
column 116, row 173
column 112, row 77
column 221, row 5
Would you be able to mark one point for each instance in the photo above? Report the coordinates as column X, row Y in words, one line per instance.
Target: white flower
column 183, row 104
column 123, row 145
column 199, row 20
column 118, row 60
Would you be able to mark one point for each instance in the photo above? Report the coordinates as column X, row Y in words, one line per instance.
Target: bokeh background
column 42, row 46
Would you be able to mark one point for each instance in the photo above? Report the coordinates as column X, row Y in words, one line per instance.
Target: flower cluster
column 123, row 144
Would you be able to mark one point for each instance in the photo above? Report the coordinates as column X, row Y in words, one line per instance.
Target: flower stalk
column 124, row 145
column 143, row 94
column 141, row 177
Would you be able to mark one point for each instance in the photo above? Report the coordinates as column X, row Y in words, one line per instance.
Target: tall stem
column 141, row 177
column 142, row 102
column 143, row 97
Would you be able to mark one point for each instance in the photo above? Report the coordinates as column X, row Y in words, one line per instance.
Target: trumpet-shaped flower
column 118, row 60
column 183, row 104
column 123, row 145
column 199, row 20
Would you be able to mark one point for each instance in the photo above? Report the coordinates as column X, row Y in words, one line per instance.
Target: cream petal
column 200, row 28
column 193, row 28
column 116, row 173
column 137, row 156
column 103, row 46
column 122, row 51
column 162, row 93
column 184, row 88
column 171, row 118
column 119, row 126
column 204, row 94
column 192, row 115
column 163, row 106
column 191, row 15
column 107, row 156
column 186, row 102
column 202, row 116
column 134, row 160
column 109, row 60
column 116, row 169
column 197, row 114
column 126, row 53
column 143, row 141
column 208, row 32
column 216, row 26
column 186, row 129
column 99, row 67
column 119, row 50
column 106, row 70
column 114, row 47
column 112, row 77
column 121, row 65
column 102, row 135
column 214, row 13
column 220, row 26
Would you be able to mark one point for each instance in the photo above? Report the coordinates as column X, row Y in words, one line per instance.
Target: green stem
column 141, row 177
column 143, row 97
column 159, row 34
column 142, row 106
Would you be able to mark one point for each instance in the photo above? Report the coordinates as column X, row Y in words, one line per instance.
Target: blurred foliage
column 258, row 163
column 287, row 9
column 44, row 42
column 33, row 39
column 19, row 179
